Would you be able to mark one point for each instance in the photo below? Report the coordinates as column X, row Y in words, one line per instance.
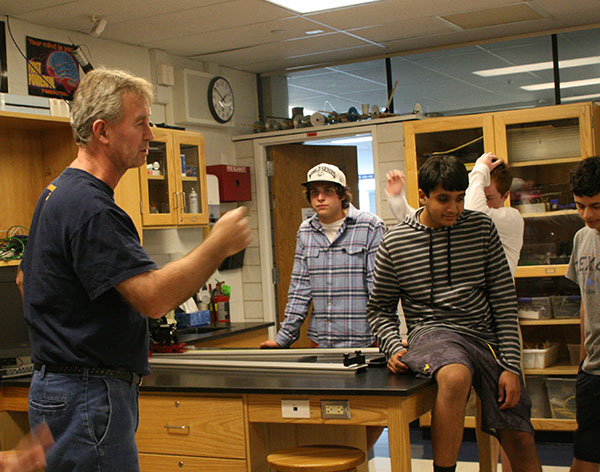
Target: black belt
column 121, row 374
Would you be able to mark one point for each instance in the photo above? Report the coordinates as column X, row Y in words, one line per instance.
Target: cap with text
column 325, row 173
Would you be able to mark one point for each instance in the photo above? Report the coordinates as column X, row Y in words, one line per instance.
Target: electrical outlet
column 295, row 409
column 339, row 409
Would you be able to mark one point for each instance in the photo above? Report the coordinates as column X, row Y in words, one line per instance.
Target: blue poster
column 51, row 69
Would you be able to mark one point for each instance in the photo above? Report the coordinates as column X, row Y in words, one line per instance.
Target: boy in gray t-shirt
column 584, row 269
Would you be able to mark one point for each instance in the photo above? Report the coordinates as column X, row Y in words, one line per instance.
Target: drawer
column 166, row 463
column 195, row 426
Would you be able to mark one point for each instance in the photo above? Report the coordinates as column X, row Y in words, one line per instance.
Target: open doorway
column 289, row 164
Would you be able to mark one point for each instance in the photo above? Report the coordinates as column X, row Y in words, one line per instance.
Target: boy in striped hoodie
column 447, row 266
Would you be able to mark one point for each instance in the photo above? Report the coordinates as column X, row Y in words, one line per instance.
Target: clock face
column 220, row 99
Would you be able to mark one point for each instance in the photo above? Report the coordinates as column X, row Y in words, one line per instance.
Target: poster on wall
column 3, row 64
column 51, row 69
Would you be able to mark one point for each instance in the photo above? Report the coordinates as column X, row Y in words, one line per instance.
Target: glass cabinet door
column 542, row 146
column 159, row 199
column 191, row 179
column 466, row 137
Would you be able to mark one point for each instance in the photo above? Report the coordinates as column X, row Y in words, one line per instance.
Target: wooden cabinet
column 542, row 145
column 34, row 150
column 173, row 187
column 201, row 433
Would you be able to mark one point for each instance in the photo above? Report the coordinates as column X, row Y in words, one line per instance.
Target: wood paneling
column 206, row 426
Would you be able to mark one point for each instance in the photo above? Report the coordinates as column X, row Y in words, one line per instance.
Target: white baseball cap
column 325, row 173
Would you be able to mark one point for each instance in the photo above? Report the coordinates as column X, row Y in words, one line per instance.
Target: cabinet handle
column 168, row 426
column 180, row 464
column 176, row 200
column 183, row 201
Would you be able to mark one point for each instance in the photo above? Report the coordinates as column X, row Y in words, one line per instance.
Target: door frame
column 263, row 198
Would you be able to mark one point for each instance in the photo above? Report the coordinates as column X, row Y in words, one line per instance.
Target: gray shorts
column 442, row 347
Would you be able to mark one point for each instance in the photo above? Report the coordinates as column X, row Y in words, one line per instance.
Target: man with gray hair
column 89, row 287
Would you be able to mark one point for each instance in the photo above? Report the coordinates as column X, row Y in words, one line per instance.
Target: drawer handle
column 180, row 464
column 168, row 426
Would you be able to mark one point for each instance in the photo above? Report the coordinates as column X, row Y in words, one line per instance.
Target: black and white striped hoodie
column 454, row 277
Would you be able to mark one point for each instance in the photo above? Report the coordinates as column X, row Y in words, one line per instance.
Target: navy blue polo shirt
column 80, row 246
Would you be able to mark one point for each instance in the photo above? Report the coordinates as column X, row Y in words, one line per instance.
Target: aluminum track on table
column 313, row 361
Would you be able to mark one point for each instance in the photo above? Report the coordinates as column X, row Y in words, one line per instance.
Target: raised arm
column 396, row 194
column 479, row 178
column 155, row 292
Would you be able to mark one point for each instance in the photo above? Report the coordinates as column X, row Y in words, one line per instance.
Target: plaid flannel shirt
column 337, row 277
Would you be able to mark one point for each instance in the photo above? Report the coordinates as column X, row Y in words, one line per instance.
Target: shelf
column 557, row 369
column 541, row 162
column 550, row 322
column 10, row 263
column 541, row 270
column 539, row 424
column 548, row 214
column 189, row 179
column 156, row 177
column 553, row 424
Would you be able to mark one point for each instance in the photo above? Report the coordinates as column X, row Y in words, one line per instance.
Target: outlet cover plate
column 335, row 409
column 295, row 409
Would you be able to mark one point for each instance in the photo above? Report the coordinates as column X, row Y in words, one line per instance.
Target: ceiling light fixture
column 314, row 32
column 537, row 66
column 581, row 98
column 563, row 85
column 309, row 6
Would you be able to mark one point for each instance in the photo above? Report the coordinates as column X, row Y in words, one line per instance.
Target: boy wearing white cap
column 333, row 267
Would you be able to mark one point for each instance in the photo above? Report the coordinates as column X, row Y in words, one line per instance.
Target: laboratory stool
column 328, row 458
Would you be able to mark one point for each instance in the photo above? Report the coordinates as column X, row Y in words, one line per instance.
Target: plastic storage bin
column 534, row 308
column 540, row 358
column 561, row 393
column 574, row 353
column 566, row 306
column 536, row 388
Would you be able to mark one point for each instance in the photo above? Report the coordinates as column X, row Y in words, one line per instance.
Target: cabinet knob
column 180, row 464
column 176, row 403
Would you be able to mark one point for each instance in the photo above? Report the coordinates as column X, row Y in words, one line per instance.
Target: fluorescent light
column 314, row 32
column 309, row 6
column 563, row 85
column 356, row 140
column 578, row 98
column 536, row 66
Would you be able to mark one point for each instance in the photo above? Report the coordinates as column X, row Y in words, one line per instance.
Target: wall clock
column 220, row 99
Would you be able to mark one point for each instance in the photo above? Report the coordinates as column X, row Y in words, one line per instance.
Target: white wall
column 163, row 245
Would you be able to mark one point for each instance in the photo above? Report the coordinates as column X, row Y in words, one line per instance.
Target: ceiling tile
column 227, row 39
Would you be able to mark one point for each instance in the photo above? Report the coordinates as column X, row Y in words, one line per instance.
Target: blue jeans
column 93, row 421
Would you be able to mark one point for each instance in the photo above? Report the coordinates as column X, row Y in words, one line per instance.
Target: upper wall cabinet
column 542, row 145
column 34, row 150
column 466, row 137
column 173, row 186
